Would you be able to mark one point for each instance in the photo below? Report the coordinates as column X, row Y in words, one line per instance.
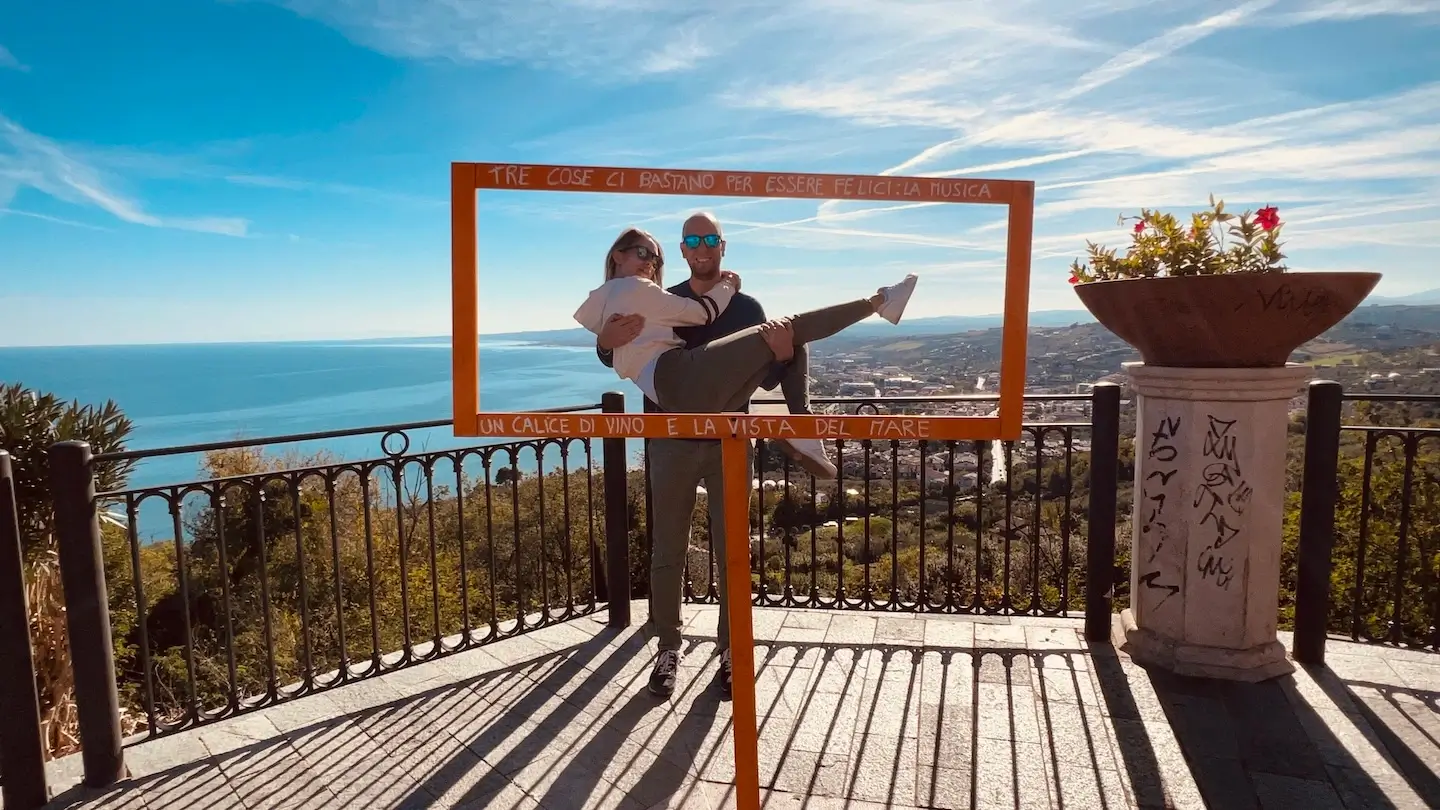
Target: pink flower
column 1268, row 217
column 1140, row 226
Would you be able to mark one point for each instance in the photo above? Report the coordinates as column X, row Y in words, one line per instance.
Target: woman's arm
column 667, row 309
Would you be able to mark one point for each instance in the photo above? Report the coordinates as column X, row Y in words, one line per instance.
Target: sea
column 182, row 394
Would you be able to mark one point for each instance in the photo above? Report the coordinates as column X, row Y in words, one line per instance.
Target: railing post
column 87, row 612
column 22, row 748
column 617, row 532
column 1319, row 491
column 1104, row 482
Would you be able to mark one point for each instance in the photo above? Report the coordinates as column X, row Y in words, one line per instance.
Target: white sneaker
column 896, row 297
column 809, row 454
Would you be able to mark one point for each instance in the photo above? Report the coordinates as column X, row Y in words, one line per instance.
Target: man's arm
column 618, row 331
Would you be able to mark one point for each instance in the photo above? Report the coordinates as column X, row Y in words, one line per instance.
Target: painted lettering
column 1284, row 299
column 624, row 424
column 739, row 184
column 792, row 184
column 510, row 175
column 1149, row 580
column 959, row 190
column 541, row 425
column 615, row 180
column 570, row 176
column 680, row 182
column 1224, row 495
column 1155, row 490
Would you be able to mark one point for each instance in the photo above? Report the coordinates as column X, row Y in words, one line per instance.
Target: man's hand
column 780, row 337
column 619, row 330
column 733, row 278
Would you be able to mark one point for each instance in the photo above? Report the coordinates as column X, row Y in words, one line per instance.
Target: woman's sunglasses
column 642, row 252
column 710, row 239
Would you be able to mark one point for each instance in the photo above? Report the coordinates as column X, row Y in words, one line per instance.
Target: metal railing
column 22, row 746
column 1370, row 521
column 274, row 581
column 277, row 581
column 921, row 526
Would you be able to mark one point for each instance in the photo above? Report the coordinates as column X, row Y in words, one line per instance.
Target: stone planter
column 1238, row 320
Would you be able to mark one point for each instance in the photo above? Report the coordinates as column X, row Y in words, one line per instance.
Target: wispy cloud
column 8, row 60
column 34, row 161
column 47, row 218
column 1161, row 46
column 636, row 36
column 344, row 189
column 1108, row 105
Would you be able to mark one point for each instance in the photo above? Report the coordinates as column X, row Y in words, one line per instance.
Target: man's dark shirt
column 743, row 312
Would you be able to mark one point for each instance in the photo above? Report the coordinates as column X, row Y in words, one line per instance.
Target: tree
column 30, row 422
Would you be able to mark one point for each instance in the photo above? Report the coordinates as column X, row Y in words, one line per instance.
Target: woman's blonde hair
column 628, row 238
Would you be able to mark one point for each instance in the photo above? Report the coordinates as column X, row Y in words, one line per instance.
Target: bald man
column 678, row 466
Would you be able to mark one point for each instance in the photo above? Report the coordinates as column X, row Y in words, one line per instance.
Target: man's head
column 703, row 246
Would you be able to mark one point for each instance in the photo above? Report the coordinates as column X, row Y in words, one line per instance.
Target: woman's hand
column 780, row 337
column 619, row 330
column 733, row 278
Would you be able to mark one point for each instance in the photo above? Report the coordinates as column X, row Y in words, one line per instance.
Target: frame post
column 742, row 634
column 464, row 314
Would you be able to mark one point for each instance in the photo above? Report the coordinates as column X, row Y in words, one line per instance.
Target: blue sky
column 202, row 170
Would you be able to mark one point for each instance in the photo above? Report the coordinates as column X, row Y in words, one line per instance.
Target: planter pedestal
column 1209, row 499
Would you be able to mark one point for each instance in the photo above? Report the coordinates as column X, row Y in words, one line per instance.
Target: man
column 679, row 465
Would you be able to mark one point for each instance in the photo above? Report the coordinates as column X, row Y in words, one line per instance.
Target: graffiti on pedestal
column 1223, row 496
column 1162, row 456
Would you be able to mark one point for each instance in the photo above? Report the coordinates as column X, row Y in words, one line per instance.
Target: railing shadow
column 1011, row 716
column 1293, row 741
column 1403, row 720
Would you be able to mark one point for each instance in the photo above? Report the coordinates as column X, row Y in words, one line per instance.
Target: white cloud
column 1165, row 44
column 1346, row 10
column 633, row 37
column 8, row 60
column 1108, row 105
column 31, row 160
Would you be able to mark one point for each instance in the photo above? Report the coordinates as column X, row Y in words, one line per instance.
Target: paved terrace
column 858, row 711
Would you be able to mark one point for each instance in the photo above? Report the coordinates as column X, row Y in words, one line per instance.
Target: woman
column 721, row 375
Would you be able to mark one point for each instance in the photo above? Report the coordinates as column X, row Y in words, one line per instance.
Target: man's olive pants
column 677, row 467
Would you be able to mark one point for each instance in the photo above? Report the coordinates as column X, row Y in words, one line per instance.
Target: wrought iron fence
column 921, row 526
column 276, row 579
column 1385, row 580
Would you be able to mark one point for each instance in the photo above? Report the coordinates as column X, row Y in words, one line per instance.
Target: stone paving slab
column 856, row 710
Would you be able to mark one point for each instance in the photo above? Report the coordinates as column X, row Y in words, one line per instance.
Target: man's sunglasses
column 710, row 239
column 642, row 252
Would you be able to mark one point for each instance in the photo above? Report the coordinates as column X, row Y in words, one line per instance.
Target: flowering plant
column 1161, row 245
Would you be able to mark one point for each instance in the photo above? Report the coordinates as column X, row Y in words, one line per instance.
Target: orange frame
column 734, row 430
column 466, row 179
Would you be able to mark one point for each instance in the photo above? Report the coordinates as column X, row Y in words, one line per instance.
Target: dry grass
column 52, row 656
column 54, row 680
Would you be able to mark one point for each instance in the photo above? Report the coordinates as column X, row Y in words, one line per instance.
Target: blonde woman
column 721, row 375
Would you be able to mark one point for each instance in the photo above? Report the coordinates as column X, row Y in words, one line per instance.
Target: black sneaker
column 726, row 673
column 662, row 677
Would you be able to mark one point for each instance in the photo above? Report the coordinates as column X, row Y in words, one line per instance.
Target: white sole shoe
column 896, row 297
column 810, row 455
